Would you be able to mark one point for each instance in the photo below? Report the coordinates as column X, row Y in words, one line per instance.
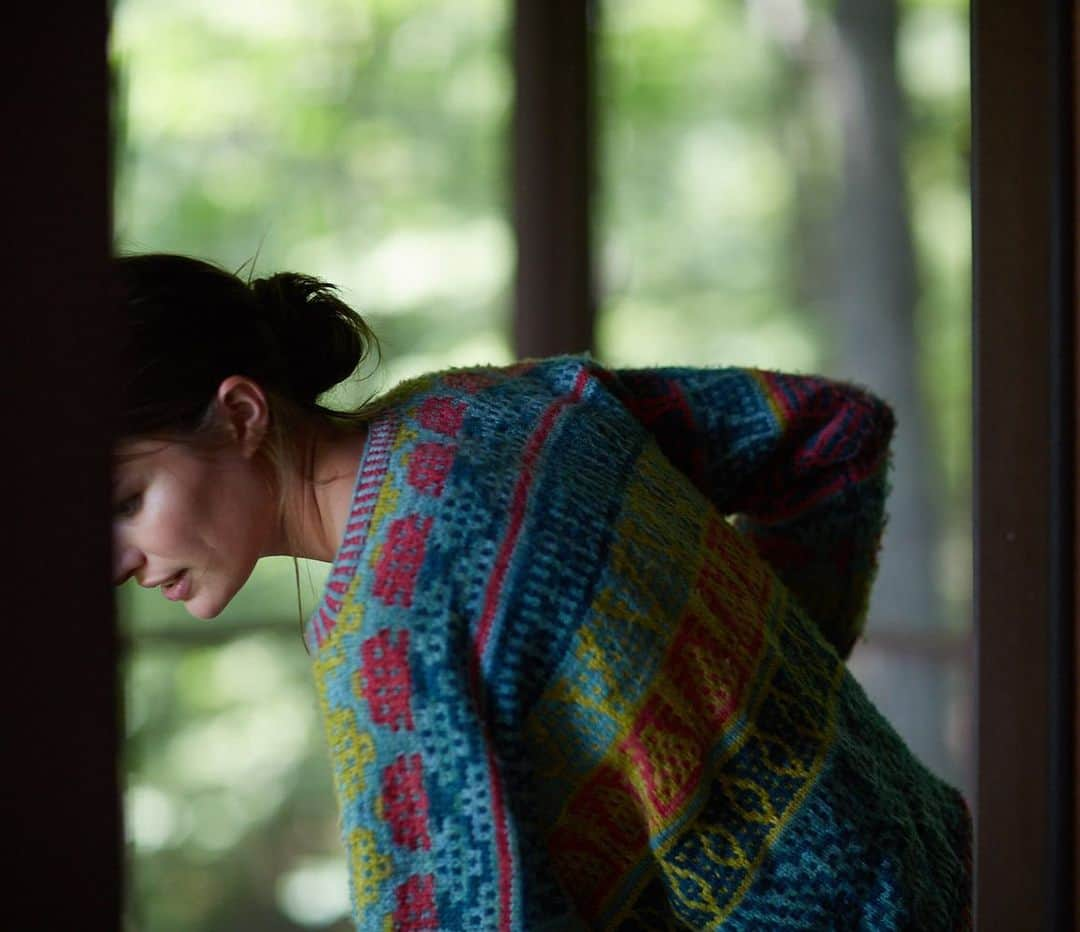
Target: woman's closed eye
column 127, row 507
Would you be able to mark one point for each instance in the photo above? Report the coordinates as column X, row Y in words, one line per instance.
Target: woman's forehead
column 144, row 455
column 129, row 451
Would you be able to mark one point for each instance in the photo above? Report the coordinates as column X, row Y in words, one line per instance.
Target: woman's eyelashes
column 127, row 507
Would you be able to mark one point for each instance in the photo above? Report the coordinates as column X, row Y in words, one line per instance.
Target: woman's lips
column 178, row 588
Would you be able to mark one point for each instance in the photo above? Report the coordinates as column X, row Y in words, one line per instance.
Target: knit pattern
column 580, row 661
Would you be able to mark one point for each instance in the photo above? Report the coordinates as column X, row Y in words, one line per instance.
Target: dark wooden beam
column 61, row 803
column 1025, row 465
column 1061, row 883
column 1076, row 453
column 552, row 168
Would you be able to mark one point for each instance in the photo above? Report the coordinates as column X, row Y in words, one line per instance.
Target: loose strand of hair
column 254, row 260
column 300, row 603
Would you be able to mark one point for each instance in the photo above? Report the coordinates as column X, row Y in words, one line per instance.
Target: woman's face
column 193, row 521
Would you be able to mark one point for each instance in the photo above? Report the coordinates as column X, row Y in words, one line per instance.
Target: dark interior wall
column 61, row 813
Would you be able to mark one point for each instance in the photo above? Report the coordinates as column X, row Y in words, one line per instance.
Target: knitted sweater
column 565, row 688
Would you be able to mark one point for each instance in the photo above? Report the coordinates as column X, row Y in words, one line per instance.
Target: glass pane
column 785, row 185
column 361, row 143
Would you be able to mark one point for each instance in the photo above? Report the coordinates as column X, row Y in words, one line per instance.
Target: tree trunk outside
column 875, row 344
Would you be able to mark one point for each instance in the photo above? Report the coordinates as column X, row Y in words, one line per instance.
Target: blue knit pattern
column 563, row 690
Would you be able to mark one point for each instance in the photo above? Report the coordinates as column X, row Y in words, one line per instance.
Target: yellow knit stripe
column 666, row 730
column 767, row 393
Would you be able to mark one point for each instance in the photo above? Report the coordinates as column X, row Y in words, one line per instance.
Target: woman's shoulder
column 549, row 374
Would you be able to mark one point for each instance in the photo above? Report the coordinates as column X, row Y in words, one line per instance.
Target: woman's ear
column 244, row 412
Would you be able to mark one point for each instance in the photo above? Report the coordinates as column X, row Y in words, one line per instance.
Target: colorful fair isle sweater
column 580, row 658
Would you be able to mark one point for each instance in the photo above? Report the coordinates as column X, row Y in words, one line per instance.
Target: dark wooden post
column 1061, row 885
column 1025, row 402
column 61, row 809
column 1075, row 727
column 1076, row 452
column 552, row 157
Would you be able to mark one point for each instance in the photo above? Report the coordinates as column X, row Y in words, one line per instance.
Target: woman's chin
column 203, row 613
column 205, row 606
column 211, row 593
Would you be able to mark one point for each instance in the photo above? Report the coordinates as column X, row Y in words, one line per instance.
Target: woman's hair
column 189, row 325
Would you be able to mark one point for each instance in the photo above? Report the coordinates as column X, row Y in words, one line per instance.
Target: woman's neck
column 318, row 496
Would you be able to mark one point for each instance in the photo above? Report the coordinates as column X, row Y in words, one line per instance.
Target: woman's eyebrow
column 122, row 472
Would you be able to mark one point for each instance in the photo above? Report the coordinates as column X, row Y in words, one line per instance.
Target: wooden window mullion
column 553, row 142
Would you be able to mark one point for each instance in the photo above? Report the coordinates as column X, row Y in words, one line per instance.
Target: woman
column 560, row 688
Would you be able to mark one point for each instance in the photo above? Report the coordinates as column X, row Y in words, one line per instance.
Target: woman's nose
column 126, row 561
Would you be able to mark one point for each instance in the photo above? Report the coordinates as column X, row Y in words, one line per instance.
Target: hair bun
column 315, row 339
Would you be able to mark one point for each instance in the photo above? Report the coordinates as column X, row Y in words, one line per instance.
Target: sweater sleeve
column 800, row 462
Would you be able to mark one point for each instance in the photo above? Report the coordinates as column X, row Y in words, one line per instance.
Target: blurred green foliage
column 365, row 142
